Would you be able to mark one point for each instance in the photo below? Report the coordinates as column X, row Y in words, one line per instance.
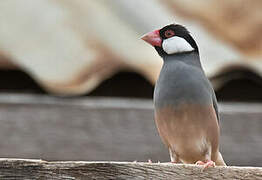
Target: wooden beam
column 112, row 129
column 38, row 169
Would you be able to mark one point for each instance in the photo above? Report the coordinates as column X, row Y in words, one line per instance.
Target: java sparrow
column 186, row 111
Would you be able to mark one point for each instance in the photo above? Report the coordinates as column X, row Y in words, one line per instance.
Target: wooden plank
column 36, row 169
column 53, row 128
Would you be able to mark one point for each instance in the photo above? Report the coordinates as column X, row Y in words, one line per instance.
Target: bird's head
column 171, row 39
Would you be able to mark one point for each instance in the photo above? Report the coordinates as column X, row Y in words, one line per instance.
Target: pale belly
column 190, row 130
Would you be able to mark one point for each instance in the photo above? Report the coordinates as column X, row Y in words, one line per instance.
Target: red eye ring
column 169, row 33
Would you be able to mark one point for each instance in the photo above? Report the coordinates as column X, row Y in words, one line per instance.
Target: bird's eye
column 169, row 33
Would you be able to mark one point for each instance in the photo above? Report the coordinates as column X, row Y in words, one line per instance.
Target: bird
column 185, row 105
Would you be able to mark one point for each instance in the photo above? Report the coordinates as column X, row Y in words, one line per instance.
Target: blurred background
column 76, row 81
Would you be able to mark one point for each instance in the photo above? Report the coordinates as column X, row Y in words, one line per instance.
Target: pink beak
column 153, row 38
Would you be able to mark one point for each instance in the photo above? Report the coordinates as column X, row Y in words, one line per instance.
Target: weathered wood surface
column 36, row 169
column 53, row 128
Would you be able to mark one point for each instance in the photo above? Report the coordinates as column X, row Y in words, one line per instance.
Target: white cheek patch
column 175, row 45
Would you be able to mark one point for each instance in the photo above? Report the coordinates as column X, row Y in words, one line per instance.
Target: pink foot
column 206, row 164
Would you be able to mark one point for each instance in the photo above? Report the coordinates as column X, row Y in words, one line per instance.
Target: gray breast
column 179, row 83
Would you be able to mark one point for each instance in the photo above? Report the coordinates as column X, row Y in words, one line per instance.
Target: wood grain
column 36, row 169
column 106, row 129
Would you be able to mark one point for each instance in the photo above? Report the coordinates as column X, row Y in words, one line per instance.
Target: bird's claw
column 206, row 164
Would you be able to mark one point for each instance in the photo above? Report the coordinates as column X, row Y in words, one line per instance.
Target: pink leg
column 206, row 164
